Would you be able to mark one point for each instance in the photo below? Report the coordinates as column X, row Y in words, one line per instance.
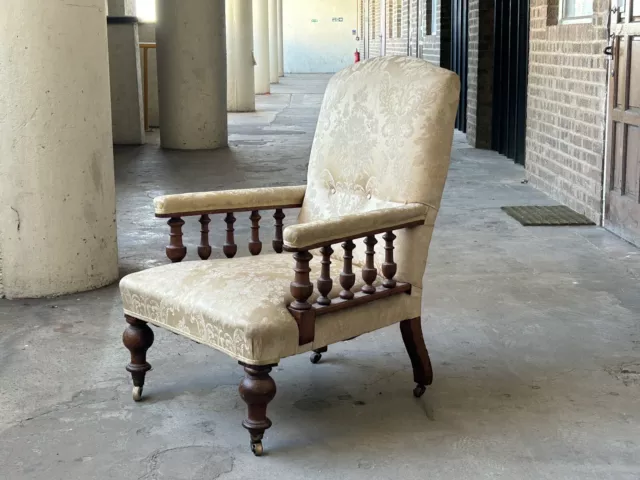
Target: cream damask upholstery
column 384, row 139
column 239, row 306
column 305, row 235
column 247, row 199
column 380, row 155
column 378, row 163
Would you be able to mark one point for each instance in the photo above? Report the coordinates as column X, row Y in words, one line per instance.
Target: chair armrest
column 226, row 201
column 307, row 236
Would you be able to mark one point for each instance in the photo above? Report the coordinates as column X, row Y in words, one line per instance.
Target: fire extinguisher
column 356, row 56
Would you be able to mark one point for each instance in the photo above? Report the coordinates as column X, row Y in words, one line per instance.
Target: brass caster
column 419, row 391
column 137, row 394
column 256, row 448
column 315, row 357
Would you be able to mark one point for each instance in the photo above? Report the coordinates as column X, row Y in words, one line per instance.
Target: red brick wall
column 430, row 47
column 566, row 107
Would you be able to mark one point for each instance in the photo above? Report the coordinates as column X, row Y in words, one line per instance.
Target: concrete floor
column 534, row 335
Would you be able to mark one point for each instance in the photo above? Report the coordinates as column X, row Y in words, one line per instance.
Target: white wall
column 323, row 46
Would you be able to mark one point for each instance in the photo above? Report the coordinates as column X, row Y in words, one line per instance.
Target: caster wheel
column 315, row 357
column 419, row 391
column 137, row 394
column 257, row 449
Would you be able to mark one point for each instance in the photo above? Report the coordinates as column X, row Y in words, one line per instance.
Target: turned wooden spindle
column 175, row 251
column 369, row 271
column 325, row 283
column 347, row 277
column 301, row 288
column 389, row 267
column 204, row 249
column 230, row 248
column 255, row 245
column 278, row 242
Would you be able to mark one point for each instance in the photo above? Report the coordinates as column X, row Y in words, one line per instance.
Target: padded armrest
column 229, row 201
column 306, row 236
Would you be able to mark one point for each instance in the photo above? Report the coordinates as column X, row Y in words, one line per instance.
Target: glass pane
column 578, row 8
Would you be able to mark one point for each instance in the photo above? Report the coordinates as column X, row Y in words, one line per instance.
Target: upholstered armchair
column 376, row 173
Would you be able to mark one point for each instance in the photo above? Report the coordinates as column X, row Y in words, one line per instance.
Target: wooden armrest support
column 305, row 313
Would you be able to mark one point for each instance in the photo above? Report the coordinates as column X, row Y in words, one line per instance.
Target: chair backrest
column 384, row 138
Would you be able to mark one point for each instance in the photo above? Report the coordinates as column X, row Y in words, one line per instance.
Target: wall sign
column 337, row 19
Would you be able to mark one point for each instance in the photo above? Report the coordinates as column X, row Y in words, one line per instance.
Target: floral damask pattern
column 384, row 139
column 239, row 306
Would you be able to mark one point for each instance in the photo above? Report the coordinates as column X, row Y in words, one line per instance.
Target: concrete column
column 240, row 69
column 280, row 42
column 192, row 74
column 127, row 109
column 121, row 8
column 261, row 46
column 273, row 41
column 57, row 194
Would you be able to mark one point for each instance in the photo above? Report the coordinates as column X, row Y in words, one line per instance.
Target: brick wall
column 566, row 106
column 430, row 47
column 398, row 44
column 480, row 73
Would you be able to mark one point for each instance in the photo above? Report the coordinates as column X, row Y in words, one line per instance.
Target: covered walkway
column 534, row 334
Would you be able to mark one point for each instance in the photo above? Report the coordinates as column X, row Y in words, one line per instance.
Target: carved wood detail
column 230, row 248
column 389, row 267
column 176, row 250
column 369, row 271
column 325, row 282
column 278, row 241
column 204, row 249
column 255, row 245
column 347, row 277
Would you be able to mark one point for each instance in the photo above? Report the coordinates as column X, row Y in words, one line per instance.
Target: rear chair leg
column 138, row 338
column 257, row 389
column 414, row 342
column 317, row 354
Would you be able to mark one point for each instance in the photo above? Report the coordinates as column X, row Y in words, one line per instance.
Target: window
column 146, row 10
column 390, row 11
column 399, row 19
column 576, row 11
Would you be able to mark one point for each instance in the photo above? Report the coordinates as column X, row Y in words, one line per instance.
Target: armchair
column 376, row 173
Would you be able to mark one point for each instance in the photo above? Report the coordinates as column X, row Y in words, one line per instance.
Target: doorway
column 622, row 174
column 459, row 56
column 510, row 64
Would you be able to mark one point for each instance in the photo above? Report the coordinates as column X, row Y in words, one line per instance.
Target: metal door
column 510, row 66
column 459, row 54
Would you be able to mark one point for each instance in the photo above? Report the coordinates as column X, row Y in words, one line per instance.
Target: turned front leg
column 138, row 338
column 257, row 389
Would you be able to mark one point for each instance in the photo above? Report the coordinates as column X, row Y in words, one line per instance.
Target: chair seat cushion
column 239, row 306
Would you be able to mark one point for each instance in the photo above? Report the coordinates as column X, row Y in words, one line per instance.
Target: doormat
column 547, row 216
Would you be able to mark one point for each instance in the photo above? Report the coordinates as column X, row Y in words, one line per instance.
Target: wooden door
column 622, row 215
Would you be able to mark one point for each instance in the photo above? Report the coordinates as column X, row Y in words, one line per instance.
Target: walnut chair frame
column 395, row 218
